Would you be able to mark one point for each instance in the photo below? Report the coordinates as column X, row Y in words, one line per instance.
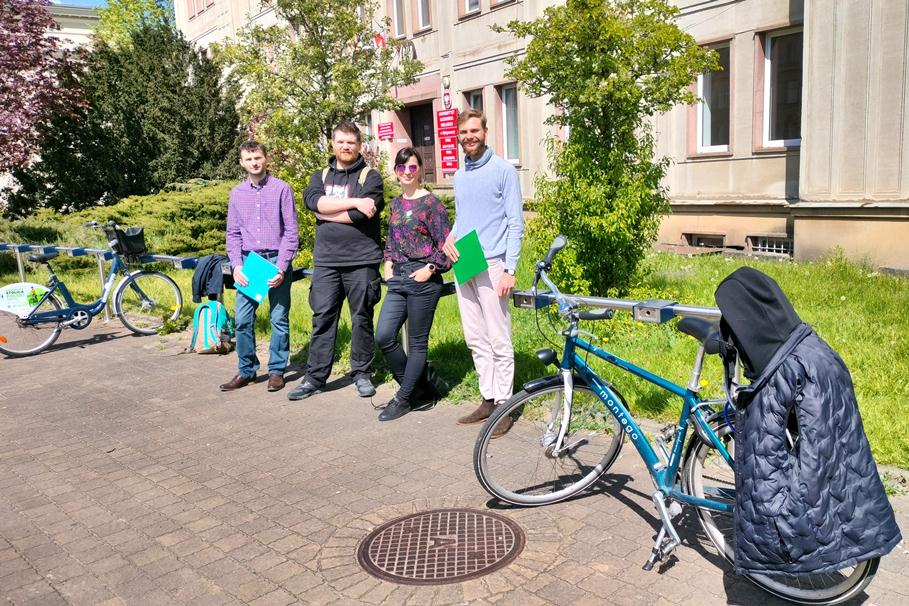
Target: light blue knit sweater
column 488, row 199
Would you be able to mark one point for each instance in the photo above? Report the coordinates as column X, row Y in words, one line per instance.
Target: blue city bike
column 32, row 316
column 561, row 433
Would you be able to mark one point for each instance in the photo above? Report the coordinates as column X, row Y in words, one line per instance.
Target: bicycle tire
column 145, row 300
column 705, row 472
column 18, row 339
column 550, row 478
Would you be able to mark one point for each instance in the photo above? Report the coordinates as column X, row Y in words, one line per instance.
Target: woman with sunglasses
column 414, row 263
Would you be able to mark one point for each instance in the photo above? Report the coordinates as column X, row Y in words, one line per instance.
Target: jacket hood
column 757, row 316
column 357, row 165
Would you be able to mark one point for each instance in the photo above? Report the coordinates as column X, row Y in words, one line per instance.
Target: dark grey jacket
column 808, row 495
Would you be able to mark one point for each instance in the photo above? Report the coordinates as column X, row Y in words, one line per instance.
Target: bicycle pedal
column 656, row 555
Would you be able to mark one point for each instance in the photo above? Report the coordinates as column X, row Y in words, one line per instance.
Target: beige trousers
column 487, row 330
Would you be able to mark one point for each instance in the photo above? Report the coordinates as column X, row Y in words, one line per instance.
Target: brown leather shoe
column 502, row 427
column 237, row 382
column 480, row 414
column 275, row 382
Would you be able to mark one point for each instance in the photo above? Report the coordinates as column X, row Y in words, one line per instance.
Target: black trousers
column 361, row 286
column 413, row 302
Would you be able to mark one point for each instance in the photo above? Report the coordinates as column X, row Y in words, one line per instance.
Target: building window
column 399, row 18
column 474, row 99
column 471, row 6
column 509, row 95
column 195, row 7
column 775, row 245
column 713, row 111
column 783, row 89
column 425, row 16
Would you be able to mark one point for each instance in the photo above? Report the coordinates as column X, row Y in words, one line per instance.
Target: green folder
column 471, row 258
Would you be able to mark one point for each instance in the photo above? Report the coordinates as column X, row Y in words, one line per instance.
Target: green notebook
column 471, row 258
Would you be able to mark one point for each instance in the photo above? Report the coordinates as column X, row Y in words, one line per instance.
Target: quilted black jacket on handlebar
column 808, row 495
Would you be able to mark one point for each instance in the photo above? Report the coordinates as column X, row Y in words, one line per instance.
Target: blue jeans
column 279, row 306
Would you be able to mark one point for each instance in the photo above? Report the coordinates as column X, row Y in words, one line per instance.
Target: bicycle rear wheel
column 521, row 467
column 145, row 300
column 707, row 475
column 19, row 337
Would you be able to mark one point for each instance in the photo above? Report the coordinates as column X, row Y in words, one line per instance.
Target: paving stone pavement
column 126, row 477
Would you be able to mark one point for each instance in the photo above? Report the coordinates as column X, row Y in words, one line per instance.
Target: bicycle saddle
column 43, row 258
column 704, row 331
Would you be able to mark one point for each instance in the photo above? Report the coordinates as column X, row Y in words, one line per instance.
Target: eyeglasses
column 401, row 169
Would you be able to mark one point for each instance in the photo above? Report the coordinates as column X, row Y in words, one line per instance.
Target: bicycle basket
column 130, row 243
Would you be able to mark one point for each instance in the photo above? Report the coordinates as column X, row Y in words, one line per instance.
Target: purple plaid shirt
column 262, row 217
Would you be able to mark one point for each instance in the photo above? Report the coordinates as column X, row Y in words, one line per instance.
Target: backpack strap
column 361, row 179
column 192, row 343
column 363, row 174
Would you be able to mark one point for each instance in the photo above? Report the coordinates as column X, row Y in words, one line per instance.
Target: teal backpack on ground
column 212, row 329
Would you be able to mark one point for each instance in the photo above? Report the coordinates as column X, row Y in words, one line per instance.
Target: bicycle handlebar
column 646, row 311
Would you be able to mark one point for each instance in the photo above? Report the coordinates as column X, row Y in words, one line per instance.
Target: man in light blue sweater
column 488, row 200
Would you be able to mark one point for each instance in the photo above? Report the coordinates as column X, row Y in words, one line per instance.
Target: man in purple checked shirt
column 261, row 217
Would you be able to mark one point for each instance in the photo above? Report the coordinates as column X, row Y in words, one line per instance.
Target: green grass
column 859, row 312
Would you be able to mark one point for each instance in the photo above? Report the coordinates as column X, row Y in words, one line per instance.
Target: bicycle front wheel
column 145, row 300
column 20, row 337
column 707, row 475
column 515, row 457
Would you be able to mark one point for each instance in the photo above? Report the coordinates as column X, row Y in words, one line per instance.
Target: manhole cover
column 440, row 546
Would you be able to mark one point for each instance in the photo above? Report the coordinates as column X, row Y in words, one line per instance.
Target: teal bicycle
column 32, row 316
column 561, row 433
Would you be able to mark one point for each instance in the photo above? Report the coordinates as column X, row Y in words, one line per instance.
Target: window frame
column 766, row 143
column 398, row 19
column 699, row 147
column 468, row 10
column 423, row 21
column 503, row 113
column 468, row 94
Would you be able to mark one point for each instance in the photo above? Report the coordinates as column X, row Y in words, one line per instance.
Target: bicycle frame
column 64, row 314
column 663, row 473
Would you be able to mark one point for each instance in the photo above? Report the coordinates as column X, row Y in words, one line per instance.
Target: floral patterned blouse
column 417, row 229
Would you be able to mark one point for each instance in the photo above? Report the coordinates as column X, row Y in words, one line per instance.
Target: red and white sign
column 386, row 131
column 446, row 100
column 447, row 134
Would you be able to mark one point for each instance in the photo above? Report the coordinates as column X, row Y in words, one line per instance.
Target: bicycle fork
column 664, row 545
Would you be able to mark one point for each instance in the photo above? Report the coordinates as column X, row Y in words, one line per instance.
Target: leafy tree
column 608, row 67
column 157, row 112
column 120, row 17
column 314, row 70
column 30, row 92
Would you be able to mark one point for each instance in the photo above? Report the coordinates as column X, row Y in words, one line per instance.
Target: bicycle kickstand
column 664, row 545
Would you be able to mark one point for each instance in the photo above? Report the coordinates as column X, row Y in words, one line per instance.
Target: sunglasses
column 401, row 169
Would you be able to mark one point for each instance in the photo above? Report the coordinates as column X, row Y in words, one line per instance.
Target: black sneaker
column 395, row 409
column 365, row 388
column 303, row 391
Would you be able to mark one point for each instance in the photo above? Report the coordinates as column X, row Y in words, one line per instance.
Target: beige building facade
column 799, row 145
column 205, row 22
column 77, row 24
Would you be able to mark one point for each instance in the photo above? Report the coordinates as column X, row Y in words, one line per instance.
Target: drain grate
column 440, row 546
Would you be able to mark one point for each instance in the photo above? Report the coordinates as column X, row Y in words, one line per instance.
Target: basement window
column 706, row 240
column 773, row 245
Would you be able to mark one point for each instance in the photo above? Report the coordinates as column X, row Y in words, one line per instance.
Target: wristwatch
column 431, row 267
column 510, row 272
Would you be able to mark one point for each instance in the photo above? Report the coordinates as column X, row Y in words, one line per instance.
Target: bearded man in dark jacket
column 347, row 199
